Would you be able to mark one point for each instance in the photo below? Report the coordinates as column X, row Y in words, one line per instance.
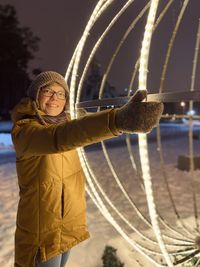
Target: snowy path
column 8, row 205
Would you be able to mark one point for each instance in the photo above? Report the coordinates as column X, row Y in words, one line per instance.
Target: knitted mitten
column 81, row 112
column 138, row 117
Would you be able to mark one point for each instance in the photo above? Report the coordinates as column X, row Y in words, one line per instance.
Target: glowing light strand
column 191, row 150
column 161, row 16
column 113, row 222
column 128, row 136
column 163, row 75
column 116, row 210
column 96, row 197
column 142, row 138
column 114, row 55
column 133, row 24
column 110, row 202
column 142, row 14
column 99, row 9
column 128, row 31
column 97, row 200
column 98, row 43
column 165, row 177
column 170, row 46
column 126, row 195
column 75, row 68
column 122, row 233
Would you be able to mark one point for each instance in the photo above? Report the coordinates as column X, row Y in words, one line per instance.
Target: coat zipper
column 62, row 203
column 62, row 196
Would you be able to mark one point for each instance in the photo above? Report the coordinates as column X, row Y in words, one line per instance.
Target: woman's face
column 52, row 99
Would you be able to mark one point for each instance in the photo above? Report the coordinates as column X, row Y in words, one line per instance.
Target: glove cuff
column 112, row 124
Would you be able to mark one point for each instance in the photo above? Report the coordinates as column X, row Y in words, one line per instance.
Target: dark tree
column 17, row 48
column 93, row 82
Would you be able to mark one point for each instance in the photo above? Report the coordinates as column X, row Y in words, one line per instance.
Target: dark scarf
column 47, row 119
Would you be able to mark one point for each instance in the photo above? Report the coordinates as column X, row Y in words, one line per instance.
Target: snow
column 5, row 136
column 5, row 142
column 5, row 126
column 89, row 252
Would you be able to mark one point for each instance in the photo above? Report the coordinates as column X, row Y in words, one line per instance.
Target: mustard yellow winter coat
column 51, row 216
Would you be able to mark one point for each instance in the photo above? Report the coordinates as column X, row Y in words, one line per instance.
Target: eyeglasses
column 49, row 92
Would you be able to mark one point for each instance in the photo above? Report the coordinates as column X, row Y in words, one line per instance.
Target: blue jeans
column 57, row 261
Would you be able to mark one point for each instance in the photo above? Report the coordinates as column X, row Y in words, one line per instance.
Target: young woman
column 51, row 216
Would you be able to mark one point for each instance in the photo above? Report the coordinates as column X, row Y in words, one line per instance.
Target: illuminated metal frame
column 142, row 63
column 162, row 97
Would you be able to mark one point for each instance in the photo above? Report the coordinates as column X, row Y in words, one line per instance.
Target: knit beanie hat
column 44, row 79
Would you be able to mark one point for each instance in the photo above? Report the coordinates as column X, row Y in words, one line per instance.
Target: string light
column 95, row 191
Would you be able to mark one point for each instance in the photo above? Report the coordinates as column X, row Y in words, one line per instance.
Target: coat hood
column 24, row 109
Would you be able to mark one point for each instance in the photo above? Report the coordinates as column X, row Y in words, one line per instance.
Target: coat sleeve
column 34, row 139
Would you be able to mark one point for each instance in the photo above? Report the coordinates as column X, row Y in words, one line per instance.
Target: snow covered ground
column 5, row 137
column 5, row 142
column 88, row 253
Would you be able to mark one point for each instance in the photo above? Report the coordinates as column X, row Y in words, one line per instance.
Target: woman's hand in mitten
column 137, row 116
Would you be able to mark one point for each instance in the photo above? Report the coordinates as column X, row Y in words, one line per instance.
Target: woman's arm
column 32, row 139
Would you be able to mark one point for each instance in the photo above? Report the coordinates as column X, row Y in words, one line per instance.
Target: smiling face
column 52, row 99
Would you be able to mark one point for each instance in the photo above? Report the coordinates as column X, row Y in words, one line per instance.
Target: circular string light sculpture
column 165, row 241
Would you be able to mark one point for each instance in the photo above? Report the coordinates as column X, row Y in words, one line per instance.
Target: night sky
column 59, row 25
